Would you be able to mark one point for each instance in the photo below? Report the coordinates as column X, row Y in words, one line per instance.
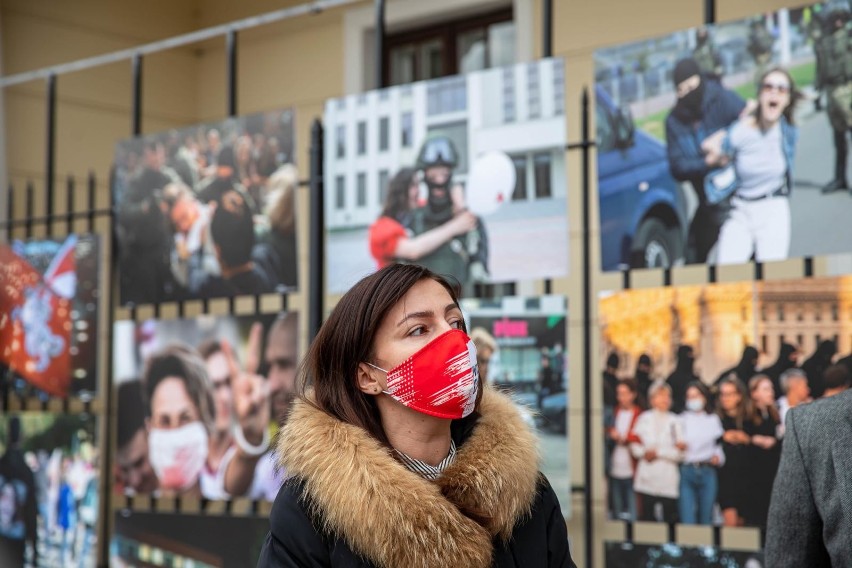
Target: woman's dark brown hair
column 346, row 339
column 770, row 409
column 396, row 200
column 795, row 94
column 744, row 409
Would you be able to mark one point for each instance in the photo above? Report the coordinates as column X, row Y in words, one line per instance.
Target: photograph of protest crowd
column 142, row 540
column 521, row 349
column 722, row 144
column 199, row 403
column 207, row 211
column 49, row 296
column 697, row 384
column 464, row 175
column 629, row 555
column 49, row 479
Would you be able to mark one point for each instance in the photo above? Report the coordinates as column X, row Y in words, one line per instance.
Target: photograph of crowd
column 464, row 175
column 629, row 555
column 49, row 478
column 721, row 144
column 48, row 317
column 199, row 404
column 697, row 384
column 521, row 349
column 207, row 211
column 145, row 540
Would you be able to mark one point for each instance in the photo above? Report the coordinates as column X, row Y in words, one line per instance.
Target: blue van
column 642, row 207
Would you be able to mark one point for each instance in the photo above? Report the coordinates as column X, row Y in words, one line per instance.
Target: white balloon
column 490, row 183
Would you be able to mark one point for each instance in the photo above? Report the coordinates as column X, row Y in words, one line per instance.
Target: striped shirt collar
column 424, row 470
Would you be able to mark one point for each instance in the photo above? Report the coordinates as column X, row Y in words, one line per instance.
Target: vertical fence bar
column 10, row 204
column 380, row 43
column 136, row 118
column 50, row 153
column 231, row 71
column 547, row 28
column 709, row 12
column 91, row 199
column 69, row 204
column 587, row 332
column 30, row 211
column 316, row 266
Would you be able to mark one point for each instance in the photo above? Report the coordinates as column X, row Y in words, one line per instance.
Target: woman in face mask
column 398, row 455
column 181, row 418
column 702, row 432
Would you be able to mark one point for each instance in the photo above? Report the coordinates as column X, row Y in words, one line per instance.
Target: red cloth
column 385, row 235
column 35, row 321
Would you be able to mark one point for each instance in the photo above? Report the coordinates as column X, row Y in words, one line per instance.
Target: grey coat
column 810, row 518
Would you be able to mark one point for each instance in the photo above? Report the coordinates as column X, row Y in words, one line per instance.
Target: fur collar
column 392, row 516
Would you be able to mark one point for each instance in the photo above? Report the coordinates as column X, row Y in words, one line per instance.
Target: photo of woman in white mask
column 182, row 416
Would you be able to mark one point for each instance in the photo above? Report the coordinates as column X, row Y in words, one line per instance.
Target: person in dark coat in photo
column 765, row 451
column 683, row 374
column 643, row 378
column 816, row 365
column 787, row 359
column 610, row 379
column 382, row 472
column 703, row 107
column 745, row 369
column 810, row 515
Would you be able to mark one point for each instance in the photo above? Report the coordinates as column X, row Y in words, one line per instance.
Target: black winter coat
column 349, row 503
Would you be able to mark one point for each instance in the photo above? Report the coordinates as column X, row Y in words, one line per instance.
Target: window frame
column 448, row 32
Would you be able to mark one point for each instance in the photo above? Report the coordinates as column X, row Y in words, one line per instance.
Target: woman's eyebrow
column 417, row 315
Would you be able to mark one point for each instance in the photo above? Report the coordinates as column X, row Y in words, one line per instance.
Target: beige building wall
column 301, row 63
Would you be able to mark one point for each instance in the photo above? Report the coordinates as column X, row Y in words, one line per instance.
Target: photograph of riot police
column 199, row 401
column 704, row 155
column 697, row 384
column 464, row 175
column 521, row 349
column 207, row 211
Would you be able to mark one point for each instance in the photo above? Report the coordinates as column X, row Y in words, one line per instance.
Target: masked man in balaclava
column 703, row 107
column 464, row 257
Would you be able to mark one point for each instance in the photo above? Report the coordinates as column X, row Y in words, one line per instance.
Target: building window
column 407, row 129
column 835, row 313
column 446, row 96
column 508, row 94
column 361, row 190
column 384, row 134
column 800, row 341
column 764, row 343
column 450, row 48
column 520, row 192
column 362, row 138
column 533, row 91
column 339, row 192
column 384, row 179
column 780, row 312
column 340, row 139
column 817, row 312
column 542, row 165
column 558, row 87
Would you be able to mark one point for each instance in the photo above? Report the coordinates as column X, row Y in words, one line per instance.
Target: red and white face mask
column 441, row 379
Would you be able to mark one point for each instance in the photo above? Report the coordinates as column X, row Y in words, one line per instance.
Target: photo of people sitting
column 211, row 393
column 207, row 212
column 701, row 444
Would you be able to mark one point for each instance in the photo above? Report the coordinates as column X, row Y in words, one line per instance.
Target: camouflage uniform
column 760, row 43
column 707, row 57
column 835, row 74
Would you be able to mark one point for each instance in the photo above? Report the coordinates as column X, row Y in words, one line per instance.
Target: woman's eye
column 457, row 324
column 419, row 330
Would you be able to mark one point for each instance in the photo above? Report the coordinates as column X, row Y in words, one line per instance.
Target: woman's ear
column 367, row 379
